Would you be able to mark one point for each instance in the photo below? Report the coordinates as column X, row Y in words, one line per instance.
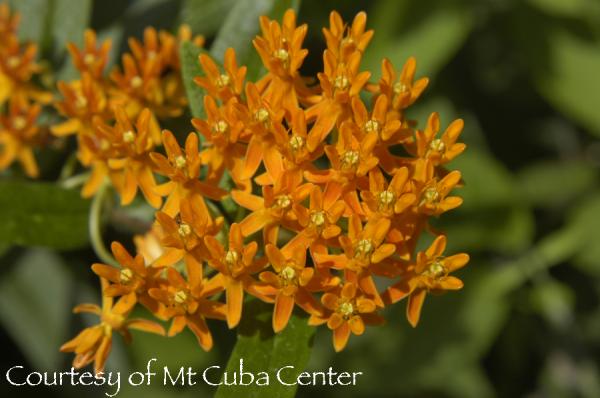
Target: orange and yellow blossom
column 235, row 266
column 93, row 344
column 187, row 304
column 429, row 273
column 131, row 167
column 19, row 134
column 182, row 168
column 347, row 311
column 93, row 57
column 226, row 85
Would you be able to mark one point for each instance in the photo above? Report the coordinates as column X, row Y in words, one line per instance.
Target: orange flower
column 19, row 133
column 92, row 58
column 235, row 267
column 434, row 199
column 134, row 278
column 226, row 85
column 187, row 305
column 133, row 167
column 183, row 236
column 343, row 41
column 9, row 22
column 404, row 91
column 348, row 310
column 183, row 170
column 387, row 199
column 93, row 344
column 274, row 208
column 291, row 283
column 430, row 273
column 439, row 150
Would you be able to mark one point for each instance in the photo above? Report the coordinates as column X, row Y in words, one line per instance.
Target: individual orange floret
column 133, row 278
column 182, row 168
column 403, row 89
column 386, row 199
column 292, row 283
column 226, row 85
column 343, row 40
column 430, row 273
column 235, row 265
column 183, row 236
column 19, row 134
column 434, row 199
column 17, row 67
column 438, row 151
column 93, row 57
column 187, row 304
column 222, row 129
column 93, row 344
column 280, row 49
column 347, row 311
column 9, row 22
column 274, row 208
column 132, row 168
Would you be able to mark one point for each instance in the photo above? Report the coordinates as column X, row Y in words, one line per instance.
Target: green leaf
column 585, row 217
column 35, row 306
column 35, row 16
column 264, row 351
column 241, row 26
column 552, row 183
column 566, row 78
column 70, row 19
column 205, row 17
column 570, row 8
column 431, row 33
column 190, row 68
column 42, row 214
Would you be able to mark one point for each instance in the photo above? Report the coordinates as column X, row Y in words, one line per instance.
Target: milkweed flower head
column 334, row 185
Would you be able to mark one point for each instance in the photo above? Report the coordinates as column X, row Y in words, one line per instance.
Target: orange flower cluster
column 20, row 99
column 338, row 185
column 147, row 87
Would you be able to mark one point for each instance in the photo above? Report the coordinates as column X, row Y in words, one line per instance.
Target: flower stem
column 95, row 225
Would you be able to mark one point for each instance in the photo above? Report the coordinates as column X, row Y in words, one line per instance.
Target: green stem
column 95, row 225
column 74, row 181
column 69, row 167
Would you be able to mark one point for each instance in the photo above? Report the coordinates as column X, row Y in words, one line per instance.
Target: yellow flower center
column 296, row 142
column 223, row 80
column 350, row 159
column 341, row 82
column 13, row 62
column 19, row 122
column 129, row 136
column 317, row 218
column 372, row 126
column 81, row 102
column 125, row 276
column 136, row 82
column 104, row 145
column 431, row 195
column 283, row 202
column 262, row 115
column 288, row 273
column 435, row 269
column 180, row 297
column 151, row 54
column 231, row 258
column 89, row 59
column 346, row 309
column 282, row 55
column 180, row 162
column 184, row 230
column 400, row 88
column 364, row 247
column 437, row 145
column 386, row 198
column 220, row 127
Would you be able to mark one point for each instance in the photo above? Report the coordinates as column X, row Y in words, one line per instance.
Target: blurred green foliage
column 524, row 76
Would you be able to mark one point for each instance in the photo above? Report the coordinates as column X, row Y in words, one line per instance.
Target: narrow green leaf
column 34, row 18
column 69, row 21
column 190, row 68
column 565, row 78
column 264, row 351
column 35, row 306
column 241, row 26
column 433, row 39
column 42, row 214
column 205, row 17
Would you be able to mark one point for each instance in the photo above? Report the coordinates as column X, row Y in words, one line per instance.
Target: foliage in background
column 524, row 73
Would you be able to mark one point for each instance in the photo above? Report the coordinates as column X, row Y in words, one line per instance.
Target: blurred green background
column 524, row 76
